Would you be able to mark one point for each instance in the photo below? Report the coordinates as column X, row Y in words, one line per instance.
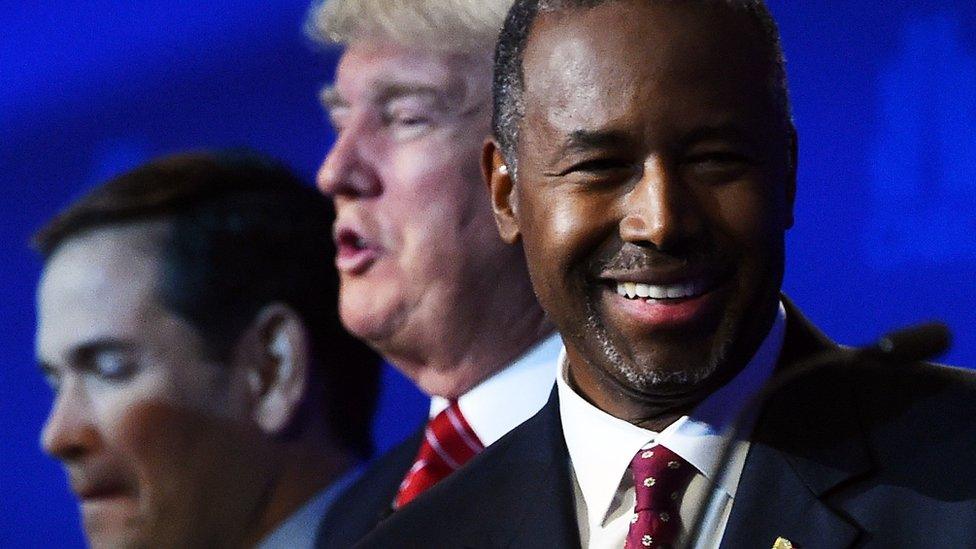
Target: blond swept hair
column 442, row 25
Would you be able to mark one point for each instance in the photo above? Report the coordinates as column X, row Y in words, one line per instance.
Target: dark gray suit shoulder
column 368, row 501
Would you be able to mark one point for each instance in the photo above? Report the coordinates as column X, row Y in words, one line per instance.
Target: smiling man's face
column 653, row 190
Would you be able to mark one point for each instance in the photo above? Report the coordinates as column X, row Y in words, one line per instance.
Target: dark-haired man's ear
column 278, row 375
column 501, row 188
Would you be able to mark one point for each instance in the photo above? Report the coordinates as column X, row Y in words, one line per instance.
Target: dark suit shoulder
column 914, row 395
column 368, row 501
column 928, row 411
column 918, row 423
column 857, row 451
column 924, row 375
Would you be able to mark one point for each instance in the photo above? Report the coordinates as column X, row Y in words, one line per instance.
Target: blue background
column 884, row 93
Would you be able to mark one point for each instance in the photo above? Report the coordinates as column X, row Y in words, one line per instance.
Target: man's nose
column 660, row 210
column 69, row 432
column 349, row 169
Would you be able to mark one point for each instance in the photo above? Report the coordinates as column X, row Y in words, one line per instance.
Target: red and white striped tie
column 448, row 444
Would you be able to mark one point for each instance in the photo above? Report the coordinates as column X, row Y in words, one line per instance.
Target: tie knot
column 449, row 442
column 660, row 477
column 449, row 438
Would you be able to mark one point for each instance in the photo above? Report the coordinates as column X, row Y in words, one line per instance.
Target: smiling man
column 425, row 279
column 644, row 158
column 653, row 210
column 206, row 394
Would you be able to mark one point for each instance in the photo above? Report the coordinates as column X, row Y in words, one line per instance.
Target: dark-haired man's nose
column 659, row 211
column 348, row 169
column 69, row 432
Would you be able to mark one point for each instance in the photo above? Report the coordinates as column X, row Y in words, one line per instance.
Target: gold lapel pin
column 783, row 543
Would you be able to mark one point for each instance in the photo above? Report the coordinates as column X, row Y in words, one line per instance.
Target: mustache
column 630, row 257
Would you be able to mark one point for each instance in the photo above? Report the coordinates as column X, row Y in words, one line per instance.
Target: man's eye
column 406, row 120
column 339, row 117
column 113, row 367
column 336, row 121
column 718, row 160
column 600, row 166
column 720, row 166
column 53, row 380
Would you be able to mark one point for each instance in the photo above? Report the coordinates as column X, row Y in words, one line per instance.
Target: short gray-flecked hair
column 508, row 81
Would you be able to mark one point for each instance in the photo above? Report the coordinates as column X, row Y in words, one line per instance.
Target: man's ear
column 501, row 188
column 279, row 372
column 794, row 151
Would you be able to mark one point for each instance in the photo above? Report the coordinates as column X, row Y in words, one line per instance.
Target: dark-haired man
column 645, row 159
column 205, row 393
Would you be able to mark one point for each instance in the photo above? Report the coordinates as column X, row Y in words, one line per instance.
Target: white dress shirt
column 503, row 401
column 601, row 447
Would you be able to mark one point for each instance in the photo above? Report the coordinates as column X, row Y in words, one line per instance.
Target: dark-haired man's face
column 153, row 436
column 654, row 188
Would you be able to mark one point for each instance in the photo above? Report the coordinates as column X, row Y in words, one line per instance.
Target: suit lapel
column 774, row 500
column 802, row 451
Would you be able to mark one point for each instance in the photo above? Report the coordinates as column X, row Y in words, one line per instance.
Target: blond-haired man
column 425, row 279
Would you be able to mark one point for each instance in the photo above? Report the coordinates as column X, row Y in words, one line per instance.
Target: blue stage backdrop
column 884, row 93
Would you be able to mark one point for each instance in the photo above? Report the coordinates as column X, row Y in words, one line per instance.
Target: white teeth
column 674, row 292
column 658, row 292
column 634, row 290
column 631, row 289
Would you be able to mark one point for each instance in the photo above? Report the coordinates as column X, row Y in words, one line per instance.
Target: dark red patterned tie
column 660, row 479
column 448, row 444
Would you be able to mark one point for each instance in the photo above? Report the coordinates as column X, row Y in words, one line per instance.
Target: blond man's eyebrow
column 396, row 90
column 387, row 92
column 330, row 98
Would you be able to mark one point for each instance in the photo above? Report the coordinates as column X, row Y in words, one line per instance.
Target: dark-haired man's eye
column 113, row 366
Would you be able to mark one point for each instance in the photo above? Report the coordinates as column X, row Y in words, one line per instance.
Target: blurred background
column 884, row 93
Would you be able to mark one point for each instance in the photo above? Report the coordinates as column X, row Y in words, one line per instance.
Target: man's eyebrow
column 728, row 131
column 330, row 98
column 389, row 92
column 385, row 92
column 583, row 140
column 84, row 353
column 46, row 368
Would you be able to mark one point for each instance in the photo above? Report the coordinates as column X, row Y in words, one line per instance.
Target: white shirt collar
column 601, row 446
column 514, row 394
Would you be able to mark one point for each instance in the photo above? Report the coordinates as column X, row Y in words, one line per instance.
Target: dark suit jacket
column 872, row 455
column 368, row 501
